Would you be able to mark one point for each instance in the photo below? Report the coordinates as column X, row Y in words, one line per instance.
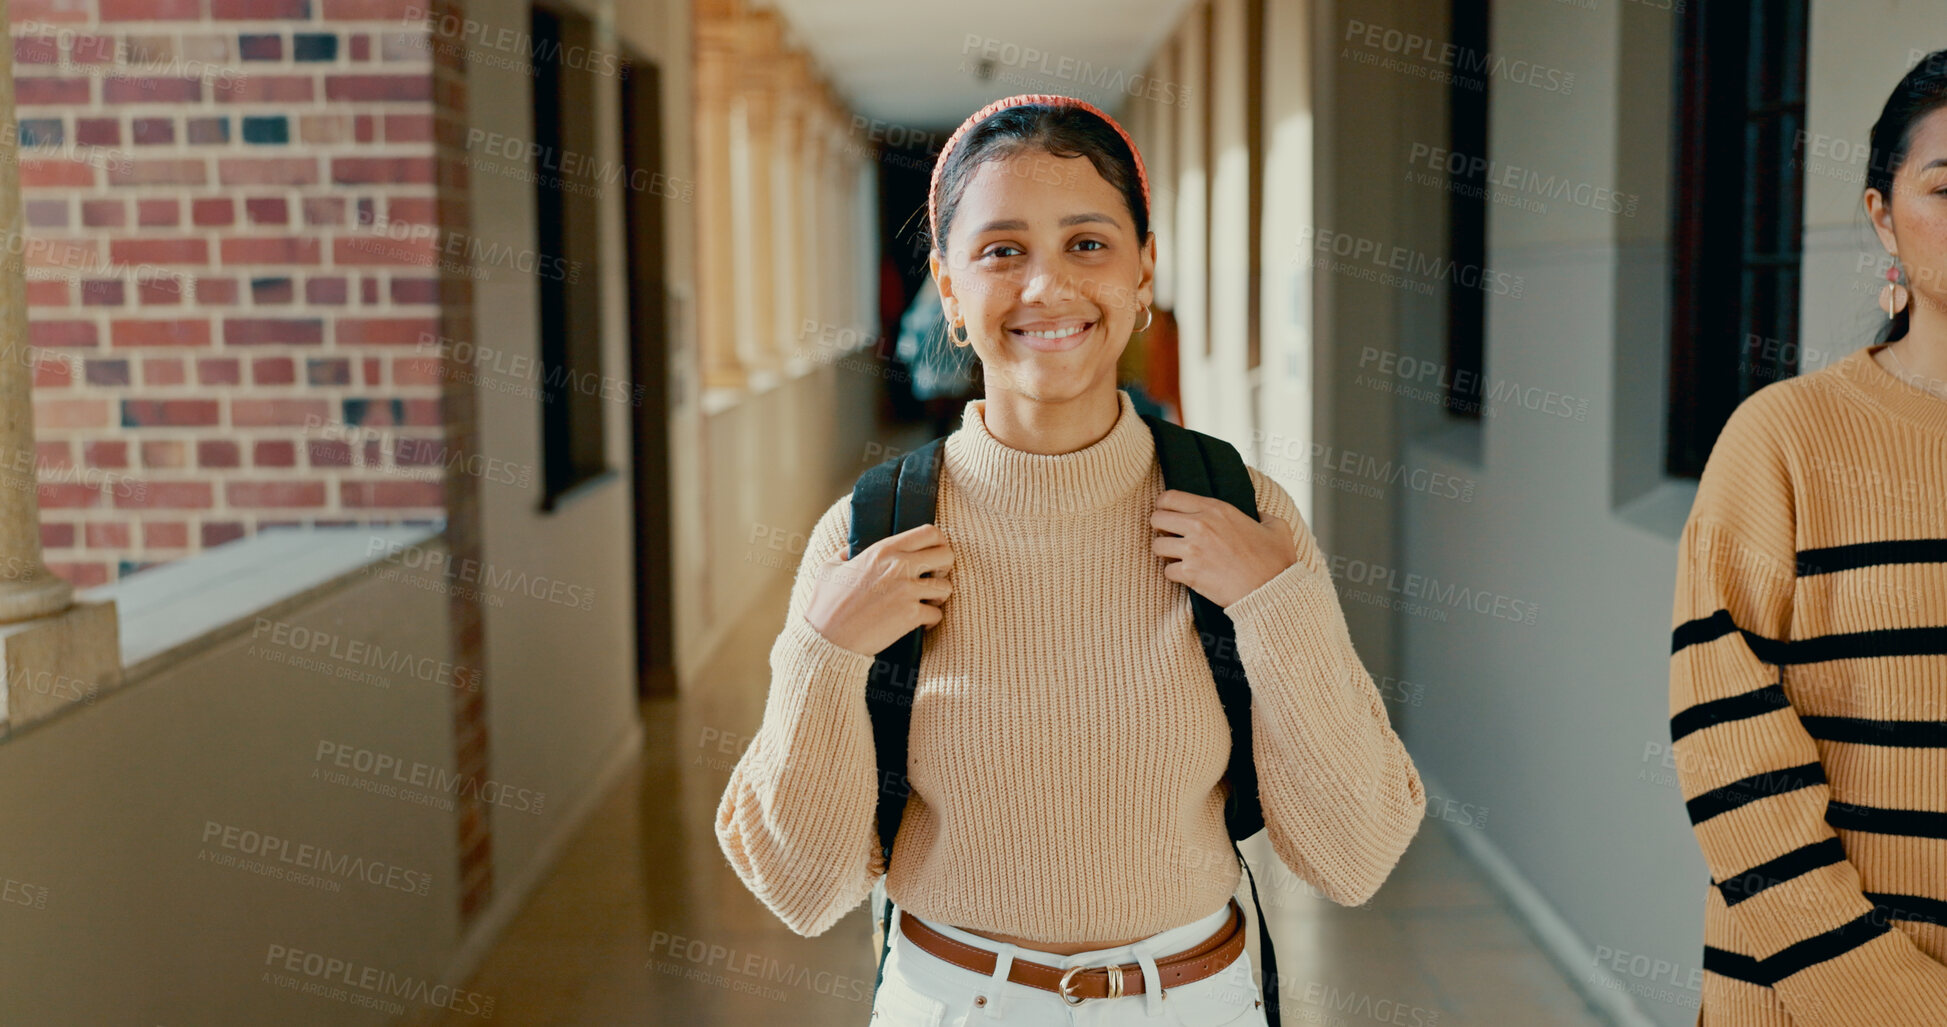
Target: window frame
column 1737, row 237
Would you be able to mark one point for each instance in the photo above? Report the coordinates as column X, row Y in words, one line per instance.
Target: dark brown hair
column 1061, row 131
column 1920, row 93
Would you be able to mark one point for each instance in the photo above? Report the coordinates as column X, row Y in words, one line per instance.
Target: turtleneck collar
column 1878, row 386
column 1018, row 483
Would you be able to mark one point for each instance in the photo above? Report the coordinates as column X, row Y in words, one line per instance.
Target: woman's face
column 1044, row 268
column 1914, row 225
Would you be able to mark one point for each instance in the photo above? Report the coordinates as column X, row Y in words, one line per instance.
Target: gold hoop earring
column 960, row 331
column 1148, row 319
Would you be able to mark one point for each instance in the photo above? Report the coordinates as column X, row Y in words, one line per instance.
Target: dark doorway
column 648, row 188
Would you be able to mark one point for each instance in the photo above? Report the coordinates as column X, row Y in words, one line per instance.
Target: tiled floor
column 644, row 923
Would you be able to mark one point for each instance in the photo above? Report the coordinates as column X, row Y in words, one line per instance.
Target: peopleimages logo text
column 425, row 775
column 1413, row 46
column 1408, row 261
column 378, row 980
column 1432, row 591
column 304, row 856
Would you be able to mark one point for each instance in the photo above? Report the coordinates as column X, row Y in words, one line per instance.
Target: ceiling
column 911, row 63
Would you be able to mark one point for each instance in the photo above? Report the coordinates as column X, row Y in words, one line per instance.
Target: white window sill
column 179, row 609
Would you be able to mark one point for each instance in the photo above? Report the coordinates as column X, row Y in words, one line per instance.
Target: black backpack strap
column 1208, row 466
column 1270, row 985
column 892, row 497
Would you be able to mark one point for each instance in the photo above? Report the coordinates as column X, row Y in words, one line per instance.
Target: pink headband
column 1051, row 99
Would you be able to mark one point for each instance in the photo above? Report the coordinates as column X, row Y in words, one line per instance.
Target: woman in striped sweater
column 1809, row 671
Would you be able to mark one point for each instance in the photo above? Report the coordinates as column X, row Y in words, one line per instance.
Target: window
column 567, row 257
column 1739, row 192
column 1467, row 214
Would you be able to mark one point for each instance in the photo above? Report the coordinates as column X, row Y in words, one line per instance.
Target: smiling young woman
column 1809, row 667
column 1067, row 742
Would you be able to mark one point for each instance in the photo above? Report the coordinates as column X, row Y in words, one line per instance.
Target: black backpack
column 899, row 494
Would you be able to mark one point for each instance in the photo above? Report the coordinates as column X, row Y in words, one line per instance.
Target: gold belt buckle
column 1067, row 980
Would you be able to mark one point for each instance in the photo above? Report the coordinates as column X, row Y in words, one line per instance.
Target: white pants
column 923, row 990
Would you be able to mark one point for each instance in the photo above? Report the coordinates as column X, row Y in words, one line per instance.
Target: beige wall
column 107, row 807
column 1313, row 141
column 753, row 465
column 1216, row 390
column 1285, row 405
column 1545, row 724
column 772, row 464
column 765, row 458
column 561, row 700
column 1190, row 258
column 1556, row 727
column 1367, row 122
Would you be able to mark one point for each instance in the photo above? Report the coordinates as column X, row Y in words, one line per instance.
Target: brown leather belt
column 1078, row 984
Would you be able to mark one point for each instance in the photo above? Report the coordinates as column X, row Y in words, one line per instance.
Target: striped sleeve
column 798, row 821
column 1750, row 773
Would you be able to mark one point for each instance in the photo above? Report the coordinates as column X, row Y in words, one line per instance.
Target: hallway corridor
column 604, row 941
column 413, row 413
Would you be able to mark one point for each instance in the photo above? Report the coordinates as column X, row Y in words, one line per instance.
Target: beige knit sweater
column 1808, row 695
column 1066, row 738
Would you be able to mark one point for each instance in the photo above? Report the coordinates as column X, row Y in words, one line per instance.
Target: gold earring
column 1148, row 318
column 960, row 331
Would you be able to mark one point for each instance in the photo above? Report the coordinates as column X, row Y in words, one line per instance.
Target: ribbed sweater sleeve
column 1750, row 773
column 1341, row 796
column 797, row 821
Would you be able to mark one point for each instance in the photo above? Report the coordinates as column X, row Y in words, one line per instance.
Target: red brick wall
column 231, row 224
column 465, row 538
column 234, row 214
